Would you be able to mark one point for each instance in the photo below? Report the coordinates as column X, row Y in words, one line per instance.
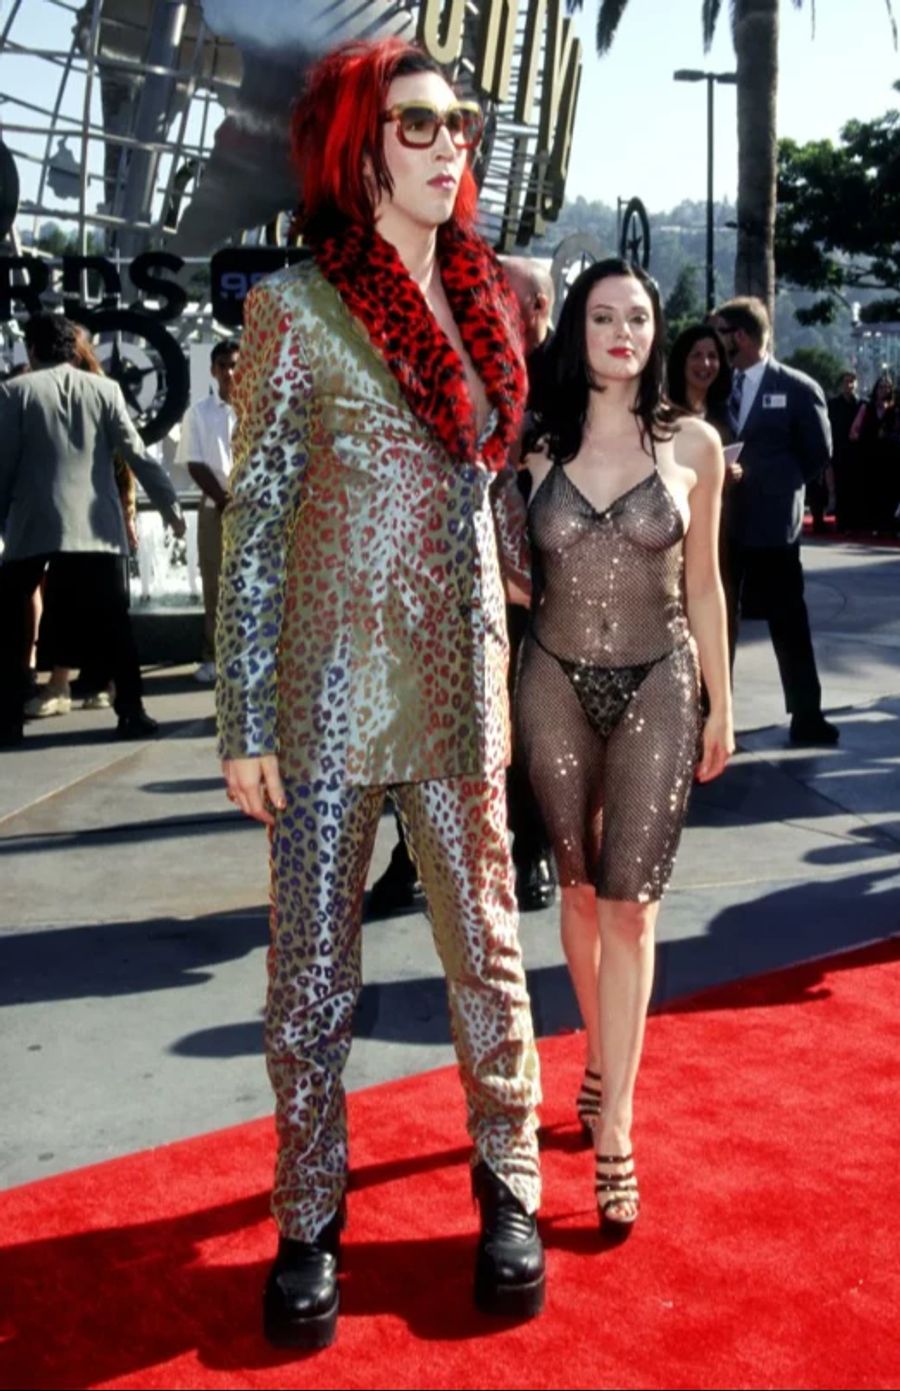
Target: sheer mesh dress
column 607, row 695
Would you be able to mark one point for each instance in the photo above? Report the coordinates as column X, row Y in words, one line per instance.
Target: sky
column 638, row 132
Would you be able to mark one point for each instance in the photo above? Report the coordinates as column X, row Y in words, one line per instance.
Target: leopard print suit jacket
column 361, row 622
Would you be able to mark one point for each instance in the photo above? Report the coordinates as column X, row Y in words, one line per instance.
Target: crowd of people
column 406, row 496
column 867, row 457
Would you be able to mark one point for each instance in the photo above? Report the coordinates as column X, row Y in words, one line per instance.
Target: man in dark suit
column 842, row 412
column 779, row 415
column 531, row 852
column 61, row 429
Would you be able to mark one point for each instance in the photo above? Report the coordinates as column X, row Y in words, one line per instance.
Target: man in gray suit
column 780, row 417
column 60, row 429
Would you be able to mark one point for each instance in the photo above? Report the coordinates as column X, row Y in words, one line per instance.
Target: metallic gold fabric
column 510, row 521
column 360, row 564
column 321, row 847
column 362, row 637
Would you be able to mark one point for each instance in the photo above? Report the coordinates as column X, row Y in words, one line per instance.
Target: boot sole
column 313, row 1333
column 511, row 1301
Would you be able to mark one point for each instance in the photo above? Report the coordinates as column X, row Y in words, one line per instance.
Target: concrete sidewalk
column 132, row 897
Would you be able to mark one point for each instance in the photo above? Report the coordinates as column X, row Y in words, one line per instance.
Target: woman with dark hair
column 698, row 376
column 876, row 430
column 698, row 382
column 623, row 517
column 363, row 647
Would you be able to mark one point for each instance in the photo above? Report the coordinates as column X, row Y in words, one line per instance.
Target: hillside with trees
column 678, row 261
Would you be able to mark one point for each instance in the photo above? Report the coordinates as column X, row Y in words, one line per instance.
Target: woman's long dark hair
column 873, row 424
column 561, row 407
column 719, row 387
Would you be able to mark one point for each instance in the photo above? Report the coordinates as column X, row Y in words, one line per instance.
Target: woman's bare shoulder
column 696, row 433
column 697, row 446
column 537, row 463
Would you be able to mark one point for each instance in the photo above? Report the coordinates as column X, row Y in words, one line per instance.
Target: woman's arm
column 699, row 449
column 272, row 393
column 858, row 422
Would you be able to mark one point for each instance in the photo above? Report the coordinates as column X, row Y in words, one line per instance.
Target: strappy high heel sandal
column 620, row 1189
column 589, row 1102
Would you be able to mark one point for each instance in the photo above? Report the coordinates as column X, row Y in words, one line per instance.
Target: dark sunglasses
column 419, row 123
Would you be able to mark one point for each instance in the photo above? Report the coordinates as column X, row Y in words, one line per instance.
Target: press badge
column 774, row 401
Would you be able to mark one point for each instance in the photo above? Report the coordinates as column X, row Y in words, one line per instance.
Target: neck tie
column 734, row 400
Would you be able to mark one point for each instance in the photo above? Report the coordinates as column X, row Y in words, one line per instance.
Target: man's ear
column 375, row 193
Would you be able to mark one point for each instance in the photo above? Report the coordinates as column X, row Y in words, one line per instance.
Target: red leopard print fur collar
column 377, row 289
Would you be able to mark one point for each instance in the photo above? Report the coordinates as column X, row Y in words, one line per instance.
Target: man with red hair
column 362, row 643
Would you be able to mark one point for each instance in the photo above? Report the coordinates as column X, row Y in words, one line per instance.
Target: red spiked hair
column 336, row 126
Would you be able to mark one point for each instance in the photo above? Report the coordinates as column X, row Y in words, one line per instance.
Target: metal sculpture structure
column 163, row 142
column 166, row 124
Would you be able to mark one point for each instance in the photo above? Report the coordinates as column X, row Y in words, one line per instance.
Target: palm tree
column 754, row 27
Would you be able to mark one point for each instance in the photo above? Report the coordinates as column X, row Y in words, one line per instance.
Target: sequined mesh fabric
column 607, row 696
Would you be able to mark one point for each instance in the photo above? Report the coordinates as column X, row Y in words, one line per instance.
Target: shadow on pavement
column 767, row 933
column 125, row 958
column 164, row 828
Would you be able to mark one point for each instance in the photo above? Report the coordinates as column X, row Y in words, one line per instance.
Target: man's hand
column 254, row 785
column 177, row 523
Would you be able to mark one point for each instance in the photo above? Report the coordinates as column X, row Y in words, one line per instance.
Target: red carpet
column 767, row 1253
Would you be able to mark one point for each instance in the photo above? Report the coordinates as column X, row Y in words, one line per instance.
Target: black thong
column 604, row 693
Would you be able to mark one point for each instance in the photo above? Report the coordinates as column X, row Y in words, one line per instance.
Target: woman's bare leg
column 581, row 945
column 626, row 979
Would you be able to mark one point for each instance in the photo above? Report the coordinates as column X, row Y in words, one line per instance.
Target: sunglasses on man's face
column 419, row 123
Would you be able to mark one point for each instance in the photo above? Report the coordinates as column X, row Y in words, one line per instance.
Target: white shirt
column 206, row 432
column 752, row 378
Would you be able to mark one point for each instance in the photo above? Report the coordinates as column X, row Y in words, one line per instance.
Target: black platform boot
column 300, row 1304
column 509, row 1266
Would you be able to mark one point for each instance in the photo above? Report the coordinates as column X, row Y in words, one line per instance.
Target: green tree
column 839, row 217
column 683, row 306
column 824, row 367
column 54, row 240
column 754, row 27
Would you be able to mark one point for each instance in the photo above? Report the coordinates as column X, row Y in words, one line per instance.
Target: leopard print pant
column 321, row 847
